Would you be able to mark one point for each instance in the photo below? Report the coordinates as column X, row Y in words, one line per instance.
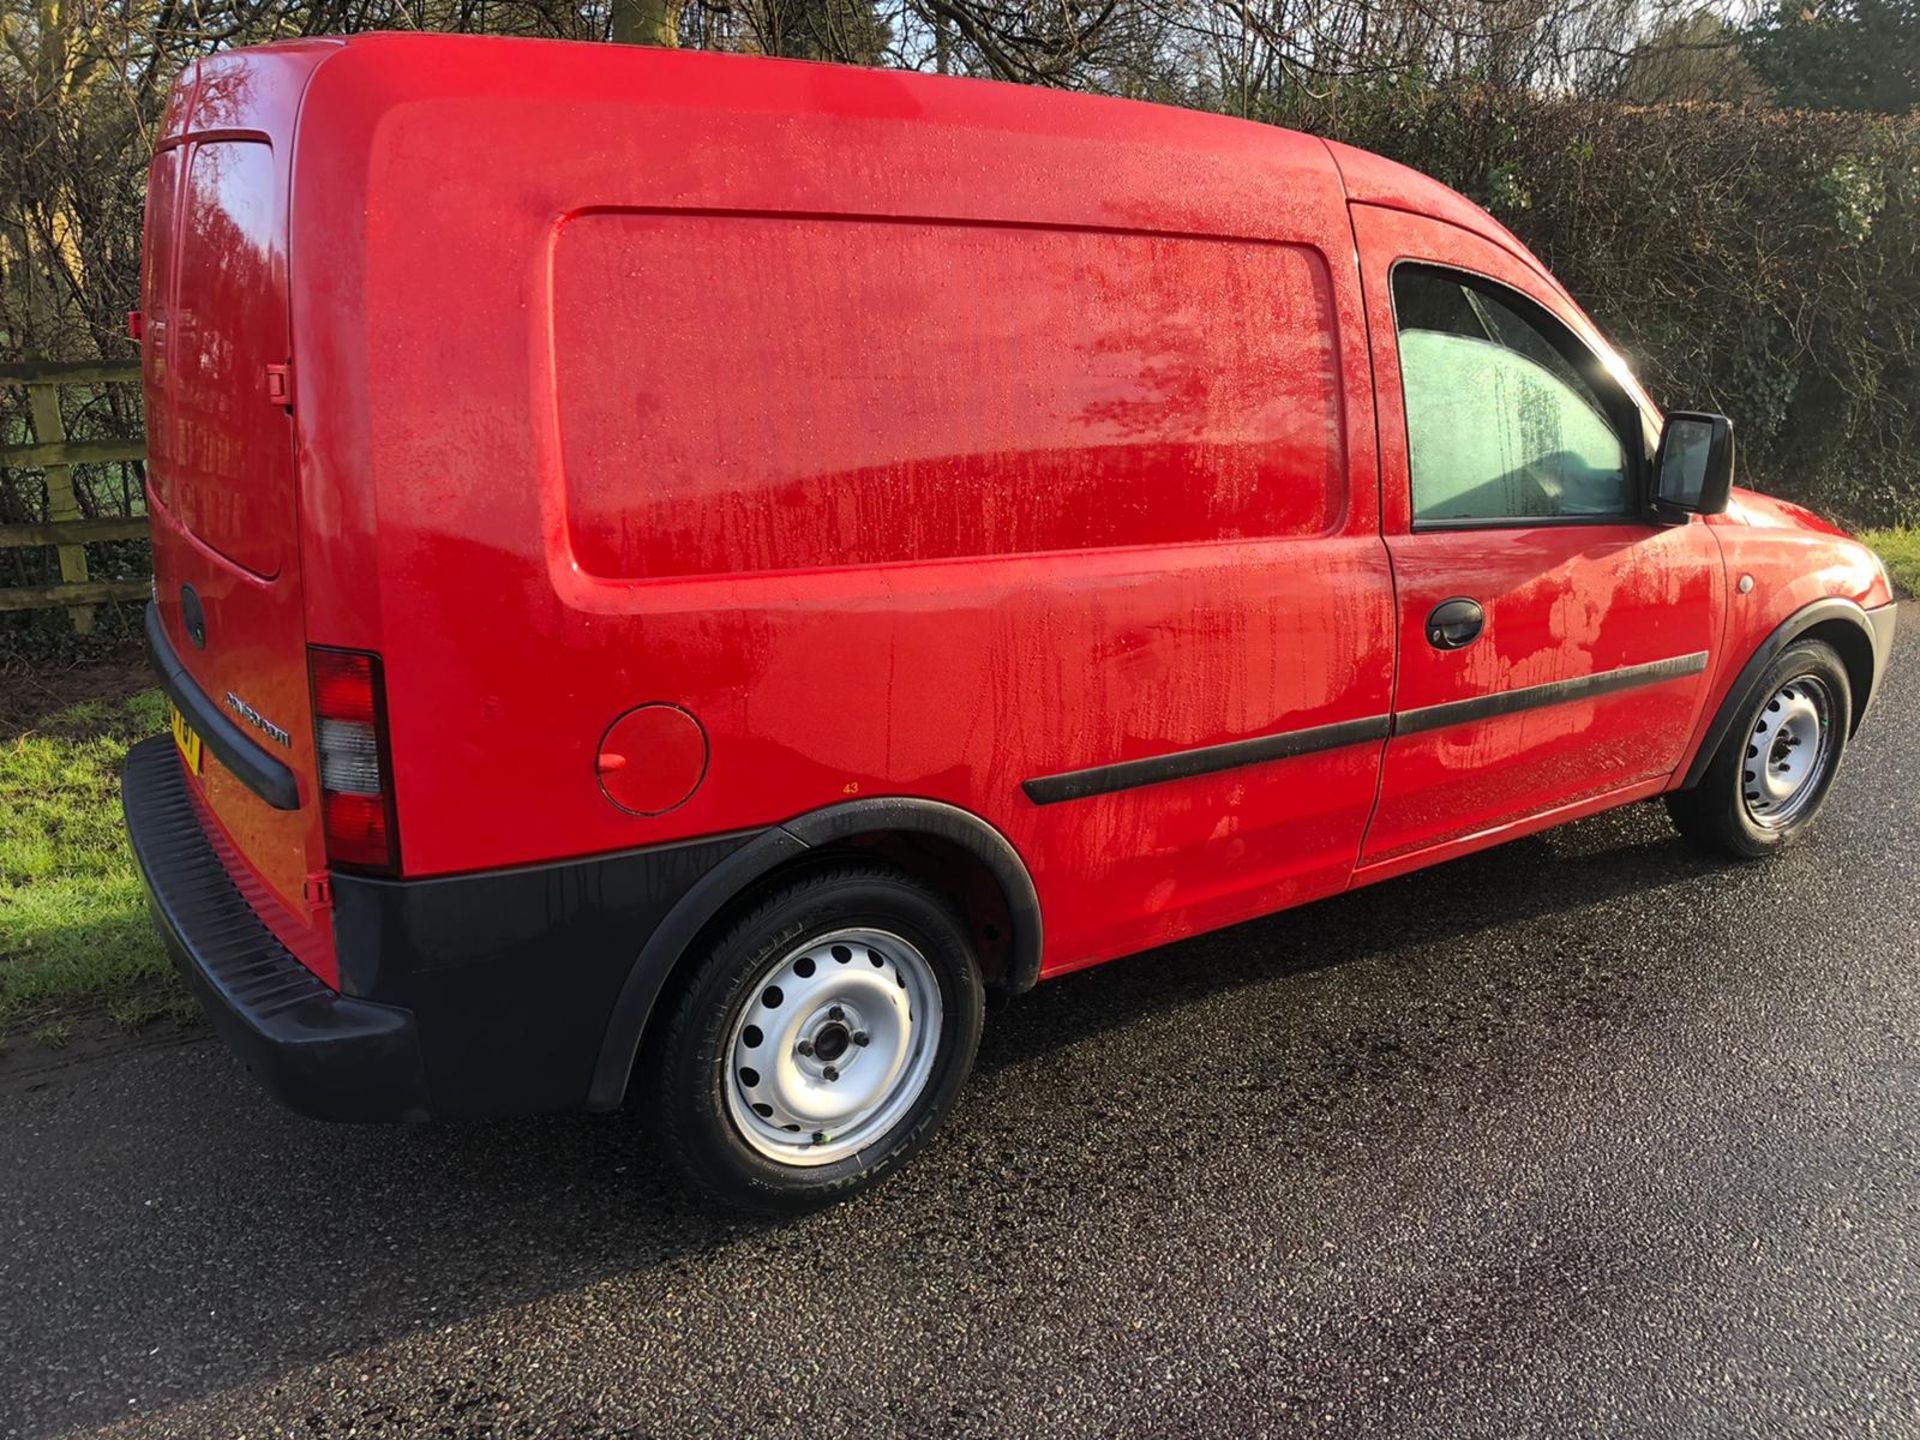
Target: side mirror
column 1693, row 473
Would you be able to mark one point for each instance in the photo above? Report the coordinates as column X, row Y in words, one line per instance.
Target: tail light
column 356, row 766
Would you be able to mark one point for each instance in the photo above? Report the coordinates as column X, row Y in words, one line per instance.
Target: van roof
column 1372, row 179
column 476, row 66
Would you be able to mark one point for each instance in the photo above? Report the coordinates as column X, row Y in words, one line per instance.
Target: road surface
column 1588, row 1135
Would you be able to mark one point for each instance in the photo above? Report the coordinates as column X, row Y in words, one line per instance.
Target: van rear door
column 221, row 486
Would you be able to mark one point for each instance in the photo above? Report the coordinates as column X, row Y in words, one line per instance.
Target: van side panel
column 918, row 438
column 877, row 392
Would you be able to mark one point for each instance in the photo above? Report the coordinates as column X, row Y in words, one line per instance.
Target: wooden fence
column 67, row 531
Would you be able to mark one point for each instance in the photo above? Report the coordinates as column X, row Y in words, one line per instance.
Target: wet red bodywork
column 625, row 379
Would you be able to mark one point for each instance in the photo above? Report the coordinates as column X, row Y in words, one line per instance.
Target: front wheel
column 818, row 1044
column 1773, row 770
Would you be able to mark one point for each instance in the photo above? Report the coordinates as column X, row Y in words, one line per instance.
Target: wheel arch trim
column 776, row 847
column 1808, row 617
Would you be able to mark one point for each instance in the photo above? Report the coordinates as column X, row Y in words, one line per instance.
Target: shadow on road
column 1556, row 873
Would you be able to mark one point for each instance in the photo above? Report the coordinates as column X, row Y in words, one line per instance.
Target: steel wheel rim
column 1788, row 751
column 835, row 1043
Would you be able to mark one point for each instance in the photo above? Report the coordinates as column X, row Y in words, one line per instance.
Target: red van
column 682, row 575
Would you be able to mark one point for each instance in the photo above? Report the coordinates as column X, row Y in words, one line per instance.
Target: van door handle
column 1455, row 624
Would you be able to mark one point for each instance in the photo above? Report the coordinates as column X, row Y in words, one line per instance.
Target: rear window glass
column 753, row 394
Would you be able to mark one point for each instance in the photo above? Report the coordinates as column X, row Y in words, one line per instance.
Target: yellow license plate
column 187, row 738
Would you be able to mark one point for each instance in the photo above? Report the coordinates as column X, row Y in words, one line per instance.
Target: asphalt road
column 1584, row 1136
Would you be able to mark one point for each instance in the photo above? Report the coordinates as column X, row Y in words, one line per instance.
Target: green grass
column 1901, row 550
column 74, row 935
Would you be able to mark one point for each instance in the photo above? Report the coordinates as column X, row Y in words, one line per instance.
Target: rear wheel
column 1772, row 773
column 816, row 1046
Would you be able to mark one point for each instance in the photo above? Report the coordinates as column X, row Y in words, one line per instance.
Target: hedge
column 1765, row 263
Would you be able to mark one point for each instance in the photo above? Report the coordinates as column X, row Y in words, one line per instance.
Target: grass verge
column 1901, row 550
column 75, row 941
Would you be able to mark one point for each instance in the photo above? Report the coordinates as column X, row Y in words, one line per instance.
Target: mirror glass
column 1686, row 453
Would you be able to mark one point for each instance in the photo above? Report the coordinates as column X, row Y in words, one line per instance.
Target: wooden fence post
column 54, row 455
column 43, row 399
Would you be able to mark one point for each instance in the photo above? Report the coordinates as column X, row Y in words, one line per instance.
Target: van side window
column 1503, row 422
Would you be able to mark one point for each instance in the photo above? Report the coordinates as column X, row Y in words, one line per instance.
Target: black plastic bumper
column 323, row 1054
column 476, row 994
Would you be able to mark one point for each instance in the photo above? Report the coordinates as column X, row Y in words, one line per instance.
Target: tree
column 1697, row 57
column 1840, row 54
column 645, row 22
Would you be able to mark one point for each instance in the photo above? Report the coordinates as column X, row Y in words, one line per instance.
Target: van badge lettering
column 259, row 722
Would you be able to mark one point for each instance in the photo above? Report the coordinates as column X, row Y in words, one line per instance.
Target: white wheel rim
column 834, row 1045
column 1788, row 750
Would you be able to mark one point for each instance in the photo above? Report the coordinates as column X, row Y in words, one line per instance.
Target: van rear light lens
column 357, row 831
column 349, row 757
column 343, row 683
column 356, row 767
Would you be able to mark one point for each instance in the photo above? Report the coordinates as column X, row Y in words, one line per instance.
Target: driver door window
column 1502, row 423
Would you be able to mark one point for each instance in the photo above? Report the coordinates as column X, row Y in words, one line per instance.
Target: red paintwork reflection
column 156, row 284
column 1562, row 602
column 224, row 456
column 1102, row 372
column 495, row 497
column 220, row 472
column 918, row 437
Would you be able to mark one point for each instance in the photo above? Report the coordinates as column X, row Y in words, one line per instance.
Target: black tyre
column 1773, row 770
column 818, row 1044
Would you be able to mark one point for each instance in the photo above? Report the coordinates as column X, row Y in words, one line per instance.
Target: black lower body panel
column 477, row 994
column 512, row 974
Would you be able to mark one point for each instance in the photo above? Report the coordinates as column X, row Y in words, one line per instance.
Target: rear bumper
column 475, row 994
column 321, row 1053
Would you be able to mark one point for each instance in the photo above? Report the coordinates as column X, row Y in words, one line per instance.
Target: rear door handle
column 1455, row 624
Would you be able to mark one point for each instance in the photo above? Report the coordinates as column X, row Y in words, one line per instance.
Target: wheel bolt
column 859, row 1037
column 831, row 1073
column 805, row 1047
column 836, row 1013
